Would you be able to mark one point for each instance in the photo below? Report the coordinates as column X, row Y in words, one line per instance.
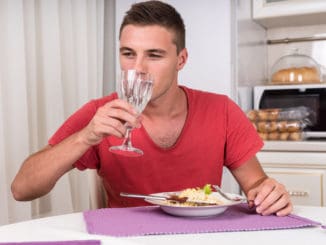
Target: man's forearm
column 39, row 172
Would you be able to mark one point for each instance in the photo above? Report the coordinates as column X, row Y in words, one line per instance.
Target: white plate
column 199, row 211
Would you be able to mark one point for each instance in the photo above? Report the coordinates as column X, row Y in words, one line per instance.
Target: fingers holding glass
column 136, row 89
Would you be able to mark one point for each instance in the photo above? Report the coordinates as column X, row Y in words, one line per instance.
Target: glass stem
column 127, row 139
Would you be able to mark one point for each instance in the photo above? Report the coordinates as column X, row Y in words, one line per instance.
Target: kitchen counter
column 289, row 153
column 295, row 146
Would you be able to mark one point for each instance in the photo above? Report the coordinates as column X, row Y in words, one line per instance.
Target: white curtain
column 51, row 62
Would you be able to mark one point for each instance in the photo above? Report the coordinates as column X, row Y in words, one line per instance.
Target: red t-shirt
column 216, row 133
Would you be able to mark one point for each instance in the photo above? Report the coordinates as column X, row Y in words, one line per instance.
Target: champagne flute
column 135, row 88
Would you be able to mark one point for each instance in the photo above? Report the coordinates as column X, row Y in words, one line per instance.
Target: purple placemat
column 151, row 220
column 74, row 242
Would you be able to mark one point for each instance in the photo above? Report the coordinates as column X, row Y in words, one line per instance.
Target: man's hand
column 110, row 119
column 270, row 197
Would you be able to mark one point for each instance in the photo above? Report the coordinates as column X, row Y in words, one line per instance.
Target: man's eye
column 155, row 56
column 127, row 54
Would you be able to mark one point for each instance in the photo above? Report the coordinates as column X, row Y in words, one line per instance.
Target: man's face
column 151, row 49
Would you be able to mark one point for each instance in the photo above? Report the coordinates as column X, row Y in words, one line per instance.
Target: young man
column 187, row 136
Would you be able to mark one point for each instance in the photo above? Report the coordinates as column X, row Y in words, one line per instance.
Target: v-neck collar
column 184, row 128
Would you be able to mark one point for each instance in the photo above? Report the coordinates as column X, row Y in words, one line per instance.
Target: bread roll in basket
column 295, row 69
column 296, row 76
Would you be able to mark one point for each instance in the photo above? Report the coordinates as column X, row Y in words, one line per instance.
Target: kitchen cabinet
column 304, row 185
column 300, row 166
column 281, row 13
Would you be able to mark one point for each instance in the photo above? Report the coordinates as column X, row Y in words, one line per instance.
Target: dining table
column 74, row 227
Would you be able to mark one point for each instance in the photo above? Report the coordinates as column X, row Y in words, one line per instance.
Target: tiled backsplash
column 315, row 49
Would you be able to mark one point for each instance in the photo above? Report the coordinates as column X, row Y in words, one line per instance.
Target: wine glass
column 135, row 88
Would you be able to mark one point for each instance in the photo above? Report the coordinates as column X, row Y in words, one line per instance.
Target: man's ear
column 182, row 58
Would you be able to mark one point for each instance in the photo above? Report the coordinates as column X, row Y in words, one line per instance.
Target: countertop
column 296, row 146
column 310, row 154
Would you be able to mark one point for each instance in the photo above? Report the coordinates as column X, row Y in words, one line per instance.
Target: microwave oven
column 312, row 96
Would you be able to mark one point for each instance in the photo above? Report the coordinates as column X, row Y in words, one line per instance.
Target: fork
column 223, row 194
column 172, row 198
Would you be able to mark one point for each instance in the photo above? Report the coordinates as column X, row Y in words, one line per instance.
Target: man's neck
column 165, row 118
column 170, row 105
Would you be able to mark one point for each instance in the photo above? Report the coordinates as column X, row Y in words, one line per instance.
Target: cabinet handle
column 298, row 193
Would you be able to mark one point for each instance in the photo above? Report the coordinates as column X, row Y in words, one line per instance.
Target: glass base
column 127, row 151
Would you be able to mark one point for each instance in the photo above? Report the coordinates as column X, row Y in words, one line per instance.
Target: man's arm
column 40, row 172
column 265, row 193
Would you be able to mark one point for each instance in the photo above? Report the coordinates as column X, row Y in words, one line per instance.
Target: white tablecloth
column 72, row 227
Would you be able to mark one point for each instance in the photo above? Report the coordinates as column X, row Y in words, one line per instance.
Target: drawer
column 304, row 186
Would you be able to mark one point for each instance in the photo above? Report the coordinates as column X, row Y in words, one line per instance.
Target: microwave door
column 294, row 98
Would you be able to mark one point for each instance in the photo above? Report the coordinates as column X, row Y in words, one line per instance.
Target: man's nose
column 140, row 65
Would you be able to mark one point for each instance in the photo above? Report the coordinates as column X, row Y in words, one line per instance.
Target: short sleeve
column 73, row 124
column 243, row 141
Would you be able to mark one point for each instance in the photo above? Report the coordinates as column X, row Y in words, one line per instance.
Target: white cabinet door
column 304, row 185
column 277, row 13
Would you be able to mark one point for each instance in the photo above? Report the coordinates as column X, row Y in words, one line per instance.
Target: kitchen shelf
column 289, row 13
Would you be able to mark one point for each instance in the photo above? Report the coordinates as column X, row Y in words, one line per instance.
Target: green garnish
column 207, row 189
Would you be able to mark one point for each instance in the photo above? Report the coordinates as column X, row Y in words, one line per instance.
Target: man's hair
column 157, row 13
